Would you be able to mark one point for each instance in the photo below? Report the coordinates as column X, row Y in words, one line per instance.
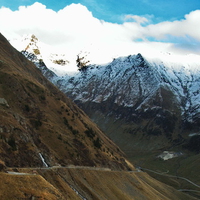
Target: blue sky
column 107, row 28
column 112, row 10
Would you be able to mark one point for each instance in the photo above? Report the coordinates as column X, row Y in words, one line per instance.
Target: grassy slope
column 91, row 184
column 27, row 187
column 40, row 118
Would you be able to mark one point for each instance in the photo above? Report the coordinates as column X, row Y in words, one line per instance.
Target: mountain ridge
column 146, row 74
column 168, row 86
column 137, row 84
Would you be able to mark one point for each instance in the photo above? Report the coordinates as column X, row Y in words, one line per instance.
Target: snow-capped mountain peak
column 130, row 81
column 135, row 81
column 36, row 51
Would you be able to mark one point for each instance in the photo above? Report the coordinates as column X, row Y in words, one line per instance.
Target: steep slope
column 27, row 187
column 41, row 126
column 83, row 183
column 92, row 185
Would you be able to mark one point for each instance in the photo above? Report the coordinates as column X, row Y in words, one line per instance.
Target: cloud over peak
column 75, row 29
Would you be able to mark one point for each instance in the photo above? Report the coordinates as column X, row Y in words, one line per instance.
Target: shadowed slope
column 38, row 118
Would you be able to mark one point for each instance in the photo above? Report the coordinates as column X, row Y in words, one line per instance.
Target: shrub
column 90, row 133
column 65, row 121
column 36, row 123
column 27, row 108
column 59, row 137
column 97, row 143
column 75, row 131
column 11, row 142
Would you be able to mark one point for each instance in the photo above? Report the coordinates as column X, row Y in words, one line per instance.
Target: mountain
column 143, row 99
column 135, row 83
column 150, row 108
column 38, row 122
column 40, row 53
column 41, row 127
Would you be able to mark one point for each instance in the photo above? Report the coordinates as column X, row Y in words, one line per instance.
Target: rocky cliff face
column 41, row 54
column 146, row 99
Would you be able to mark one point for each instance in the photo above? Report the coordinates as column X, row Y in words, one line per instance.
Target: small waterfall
column 42, row 158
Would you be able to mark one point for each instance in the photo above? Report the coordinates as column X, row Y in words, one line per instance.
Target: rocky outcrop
column 4, row 102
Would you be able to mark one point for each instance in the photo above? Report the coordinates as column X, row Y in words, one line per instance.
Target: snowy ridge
column 30, row 45
column 107, row 81
column 134, row 81
column 184, row 80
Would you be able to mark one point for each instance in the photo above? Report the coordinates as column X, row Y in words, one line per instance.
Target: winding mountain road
column 138, row 170
column 164, row 174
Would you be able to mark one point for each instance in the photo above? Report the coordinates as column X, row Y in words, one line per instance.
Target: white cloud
column 136, row 18
column 74, row 29
column 183, row 28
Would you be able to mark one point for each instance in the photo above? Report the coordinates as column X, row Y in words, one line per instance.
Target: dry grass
column 60, row 183
column 118, row 185
column 41, row 119
column 21, row 187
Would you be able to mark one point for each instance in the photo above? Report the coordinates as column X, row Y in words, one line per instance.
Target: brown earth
column 91, row 184
column 37, row 117
column 21, row 187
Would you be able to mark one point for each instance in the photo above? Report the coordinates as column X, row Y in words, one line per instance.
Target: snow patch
column 166, row 155
column 193, row 134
